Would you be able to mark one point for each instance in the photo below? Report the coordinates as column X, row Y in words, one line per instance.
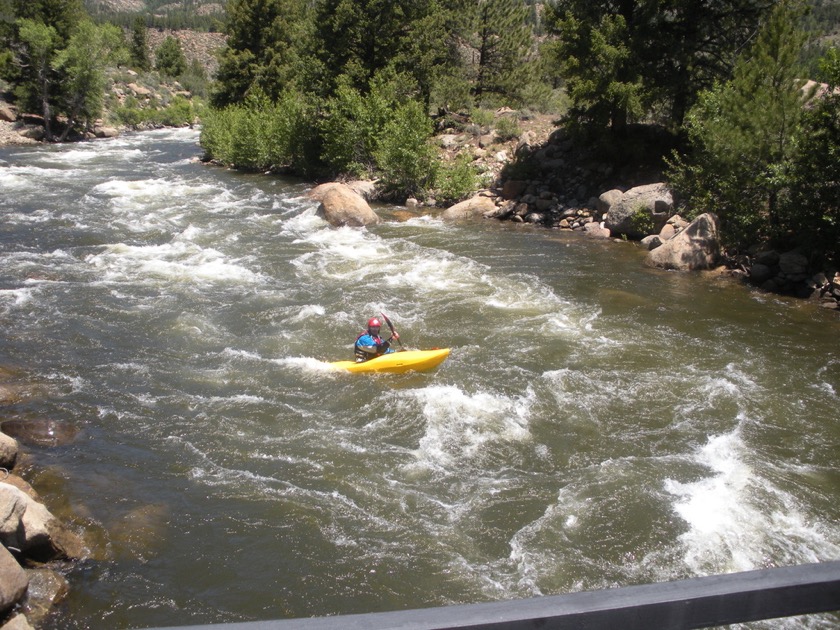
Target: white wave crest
column 460, row 425
column 737, row 519
column 180, row 262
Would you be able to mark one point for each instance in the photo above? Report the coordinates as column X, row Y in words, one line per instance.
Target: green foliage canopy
column 623, row 59
column 744, row 134
column 89, row 52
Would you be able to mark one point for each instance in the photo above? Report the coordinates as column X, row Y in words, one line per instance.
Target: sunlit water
column 597, row 423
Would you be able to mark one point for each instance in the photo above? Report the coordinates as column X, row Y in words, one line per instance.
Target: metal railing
column 694, row 603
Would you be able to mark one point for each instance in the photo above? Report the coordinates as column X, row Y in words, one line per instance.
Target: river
column 597, row 423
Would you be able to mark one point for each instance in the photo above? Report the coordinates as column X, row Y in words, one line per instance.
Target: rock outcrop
column 696, row 247
column 640, row 211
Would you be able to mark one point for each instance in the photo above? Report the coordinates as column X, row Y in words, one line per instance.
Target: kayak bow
column 397, row 362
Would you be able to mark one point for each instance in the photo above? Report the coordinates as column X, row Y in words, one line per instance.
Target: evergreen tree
column 744, row 132
column 266, row 49
column 139, row 45
column 356, row 39
column 169, row 58
column 623, row 58
column 501, row 41
column 813, row 211
column 602, row 77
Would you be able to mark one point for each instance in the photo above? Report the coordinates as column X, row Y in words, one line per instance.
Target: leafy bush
column 482, row 118
column 507, row 128
column 350, row 128
column 642, row 221
column 194, row 79
column 260, row 134
column 451, row 93
column 457, row 180
column 178, row 113
column 405, row 156
column 129, row 114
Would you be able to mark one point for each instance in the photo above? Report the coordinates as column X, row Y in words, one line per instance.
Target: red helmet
column 374, row 323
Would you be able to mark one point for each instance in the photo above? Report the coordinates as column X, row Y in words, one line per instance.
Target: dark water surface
column 597, row 423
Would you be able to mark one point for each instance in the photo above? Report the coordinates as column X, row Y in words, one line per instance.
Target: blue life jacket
column 368, row 346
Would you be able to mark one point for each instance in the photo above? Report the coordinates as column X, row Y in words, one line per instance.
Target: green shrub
column 231, row 137
column 351, row 129
column 457, row 180
column 642, row 221
column 507, row 128
column 169, row 58
column 287, row 132
column 130, row 113
column 451, row 93
column 261, row 134
column 194, row 80
column 482, row 118
column 178, row 113
column 405, row 156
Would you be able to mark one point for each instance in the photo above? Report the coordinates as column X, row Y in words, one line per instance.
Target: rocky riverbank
column 36, row 545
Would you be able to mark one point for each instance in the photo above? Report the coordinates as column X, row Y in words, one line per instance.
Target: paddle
column 391, row 326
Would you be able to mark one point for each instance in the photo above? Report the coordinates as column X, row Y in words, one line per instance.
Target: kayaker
column 370, row 345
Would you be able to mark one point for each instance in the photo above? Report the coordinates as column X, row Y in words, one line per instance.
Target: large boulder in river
column 8, row 451
column 639, row 211
column 340, row 206
column 13, row 581
column 478, row 206
column 28, row 525
column 696, row 247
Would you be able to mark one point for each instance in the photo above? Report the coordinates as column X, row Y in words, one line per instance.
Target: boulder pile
column 647, row 214
column 34, row 544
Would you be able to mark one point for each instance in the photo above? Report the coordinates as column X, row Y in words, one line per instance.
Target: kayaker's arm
column 371, row 350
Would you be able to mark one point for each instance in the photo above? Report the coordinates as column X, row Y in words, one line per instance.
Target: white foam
column 179, row 261
column 16, row 297
column 304, row 363
column 305, row 312
column 130, row 193
column 736, row 519
column 460, row 425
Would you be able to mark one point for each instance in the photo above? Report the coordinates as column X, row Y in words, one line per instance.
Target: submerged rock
column 41, row 432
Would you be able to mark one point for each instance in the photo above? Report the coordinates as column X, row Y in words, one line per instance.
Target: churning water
column 597, row 423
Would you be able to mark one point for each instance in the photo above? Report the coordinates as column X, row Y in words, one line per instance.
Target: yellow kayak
column 397, row 362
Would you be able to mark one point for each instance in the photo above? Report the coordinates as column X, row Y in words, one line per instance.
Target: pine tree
column 501, row 41
column 621, row 60
column 813, row 210
column 169, row 58
column 357, row 39
column 266, row 49
column 744, row 133
column 139, row 47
